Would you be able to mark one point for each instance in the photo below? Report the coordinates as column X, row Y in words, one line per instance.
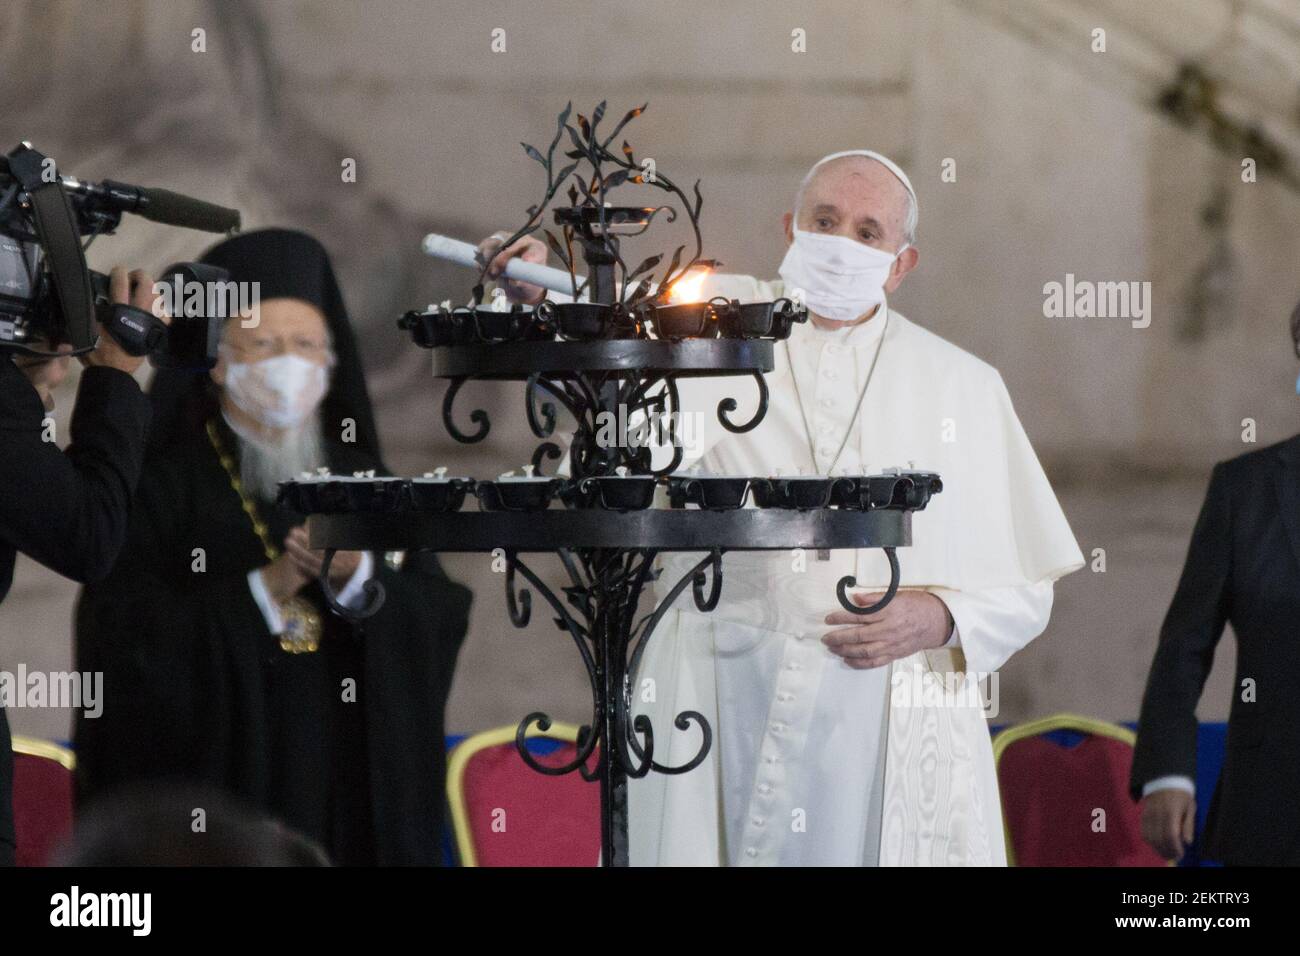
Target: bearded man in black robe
column 222, row 662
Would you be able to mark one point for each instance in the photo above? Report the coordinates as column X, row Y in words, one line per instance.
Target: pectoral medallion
column 302, row 627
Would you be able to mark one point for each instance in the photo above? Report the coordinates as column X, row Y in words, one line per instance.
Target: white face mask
column 837, row 277
column 280, row 392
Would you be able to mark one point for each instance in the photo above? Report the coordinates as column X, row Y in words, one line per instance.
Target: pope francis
column 842, row 740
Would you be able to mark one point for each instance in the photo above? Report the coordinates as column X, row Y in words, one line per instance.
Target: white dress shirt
column 349, row 597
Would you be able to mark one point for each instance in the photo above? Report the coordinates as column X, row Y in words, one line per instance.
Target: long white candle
column 465, row 254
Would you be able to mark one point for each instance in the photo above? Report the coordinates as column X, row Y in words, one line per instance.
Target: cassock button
column 757, row 821
column 764, row 788
column 828, row 402
column 751, row 852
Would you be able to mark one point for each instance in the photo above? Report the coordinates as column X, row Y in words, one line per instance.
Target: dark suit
column 66, row 509
column 1243, row 567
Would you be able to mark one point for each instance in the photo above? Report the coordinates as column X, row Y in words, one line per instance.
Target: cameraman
column 68, row 509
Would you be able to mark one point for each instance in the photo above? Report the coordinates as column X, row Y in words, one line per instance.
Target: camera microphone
column 175, row 209
column 156, row 205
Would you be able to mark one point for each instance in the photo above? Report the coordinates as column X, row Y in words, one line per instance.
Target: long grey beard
column 263, row 465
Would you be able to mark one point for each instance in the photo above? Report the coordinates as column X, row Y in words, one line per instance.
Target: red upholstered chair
column 1052, row 792
column 42, row 798
column 505, row 813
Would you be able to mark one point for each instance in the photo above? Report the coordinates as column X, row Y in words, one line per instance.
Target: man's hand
column 45, row 374
column 530, row 249
column 913, row 621
column 309, row 562
column 133, row 288
column 283, row 578
column 1169, row 821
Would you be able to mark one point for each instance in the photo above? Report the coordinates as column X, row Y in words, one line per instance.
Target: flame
column 688, row 287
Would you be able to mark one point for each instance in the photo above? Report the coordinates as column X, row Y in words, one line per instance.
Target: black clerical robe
column 197, row 687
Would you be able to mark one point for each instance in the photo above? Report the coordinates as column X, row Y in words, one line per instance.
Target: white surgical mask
column 838, row 277
column 279, row 392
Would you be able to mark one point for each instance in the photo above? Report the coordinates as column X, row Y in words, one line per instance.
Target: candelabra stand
column 612, row 361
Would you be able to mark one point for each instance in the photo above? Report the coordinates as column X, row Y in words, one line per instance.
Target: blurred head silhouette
column 163, row 824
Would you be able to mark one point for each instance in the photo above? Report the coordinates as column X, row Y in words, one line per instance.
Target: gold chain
column 302, row 622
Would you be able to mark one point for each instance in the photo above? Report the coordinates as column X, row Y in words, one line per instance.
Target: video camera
column 48, row 297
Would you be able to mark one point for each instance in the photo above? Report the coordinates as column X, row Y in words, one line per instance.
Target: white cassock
column 811, row 764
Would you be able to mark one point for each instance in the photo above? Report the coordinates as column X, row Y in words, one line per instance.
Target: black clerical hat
column 286, row 264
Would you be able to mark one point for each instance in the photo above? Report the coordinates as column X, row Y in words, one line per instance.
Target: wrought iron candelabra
column 612, row 359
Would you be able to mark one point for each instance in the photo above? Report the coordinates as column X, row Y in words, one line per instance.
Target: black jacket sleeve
column 68, row 508
column 1192, row 628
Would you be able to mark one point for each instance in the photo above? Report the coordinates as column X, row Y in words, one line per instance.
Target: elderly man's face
column 274, row 397
column 858, row 198
column 277, row 327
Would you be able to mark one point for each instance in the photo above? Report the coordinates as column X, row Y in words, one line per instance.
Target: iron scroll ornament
column 648, row 395
column 479, row 417
column 373, row 590
column 728, row 405
column 849, row 581
column 587, row 738
column 633, row 756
